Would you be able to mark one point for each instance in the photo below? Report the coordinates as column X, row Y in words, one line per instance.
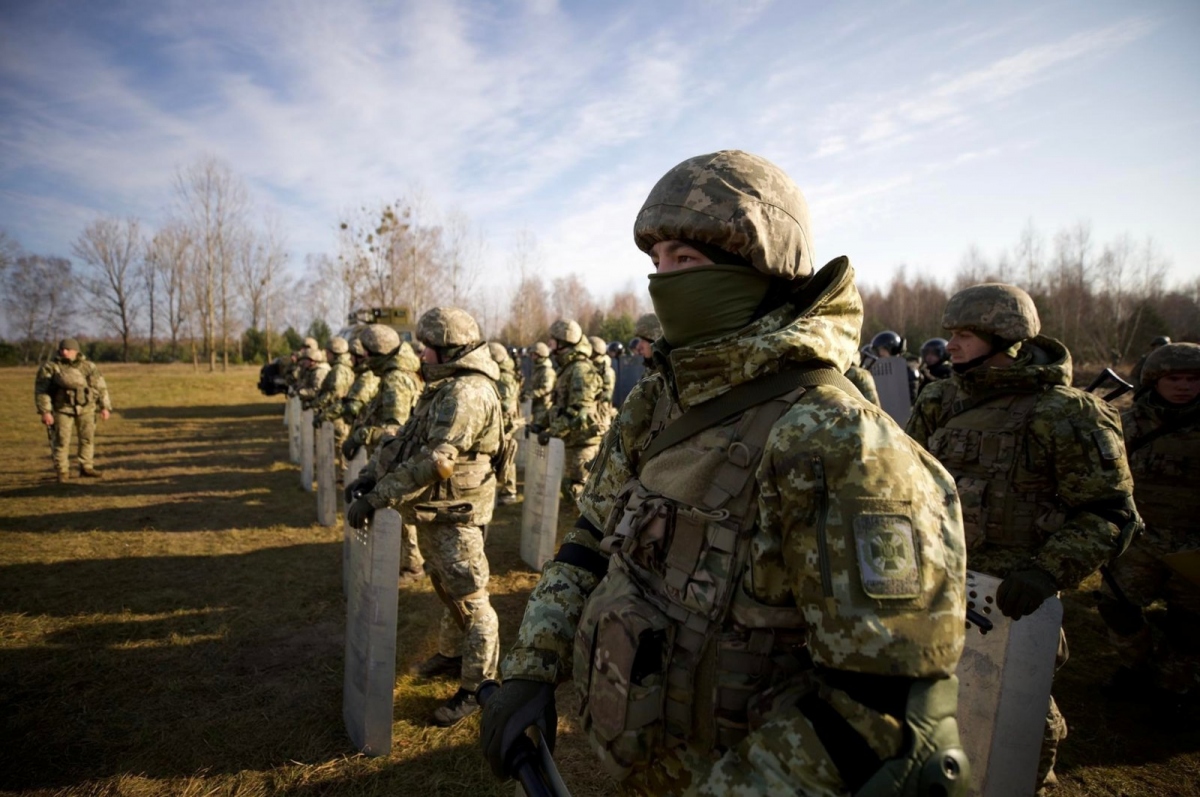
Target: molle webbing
column 741, row 398
column 1178, row 423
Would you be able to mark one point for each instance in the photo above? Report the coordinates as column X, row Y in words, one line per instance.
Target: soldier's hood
column 506, row 366
column 477, row 360
column 819, row 327
column 573, row 354
column 342, row 359
column 1041, row 362
column 404, row 359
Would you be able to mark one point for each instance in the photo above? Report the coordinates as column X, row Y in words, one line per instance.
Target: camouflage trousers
column 576, row 462
column 84, row 428
column 469, row 627
column 1055, row 729
column 1170, row 650
column 508, row 467
column 341, row 430
column 410, row 550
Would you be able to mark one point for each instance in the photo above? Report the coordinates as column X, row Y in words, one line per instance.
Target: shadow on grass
column 224, row 663
column 206, row 412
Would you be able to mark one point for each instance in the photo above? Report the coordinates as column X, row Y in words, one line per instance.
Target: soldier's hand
column 518, row 704
column 350, row 448
column 544, row 438
column 1023, row 591
column 104, row 415
column 360, row 486
column 48, row 418
column 359, row 513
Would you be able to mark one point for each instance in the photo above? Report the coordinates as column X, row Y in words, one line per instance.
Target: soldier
column 67, row 392
column 744, row 586
column 507, row 385
column 361, row 391
column 890, row 344
column 935, row 361
column 862, row 379
column 440, row 467
column 645, row 331
column 575, row 417
column 1040, row 467
column 335, row 386
column 539, row 390
column 313, row 370
column 394, row 364
column 1135, row 376
column 1162, row 436
column 603, row 365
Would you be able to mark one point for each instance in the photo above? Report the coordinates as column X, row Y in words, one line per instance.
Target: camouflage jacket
column 539, row 390
column 868, row 466
column 509, row 391
column 73, row 387
column 308, row 387
column 328, row 404
column 399, row 388
column 574, row 415
column 608, row 376
column 865, row 383
column 1040, row 466
column 1166, row 469
column 440, row 462
column 360, row 394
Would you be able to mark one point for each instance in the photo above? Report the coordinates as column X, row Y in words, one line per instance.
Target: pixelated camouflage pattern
column 399, row 387
column 469, row 627
column 994, row 308
column 736, row 201
column 865, row 383
column 328, row 404
column 566, row 330
column 70, row 387
column 338, row 345
column 1169, row 359
column 539, row 391
column 379, row 339
column 1070, row 455
column 308, row 385
column 604, row 367
column 648, row 327
column 447, row 327
column 1166, row 471
column 574, row 416
column 362, row 390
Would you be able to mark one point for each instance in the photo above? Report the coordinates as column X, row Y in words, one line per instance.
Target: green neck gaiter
column 703, row 303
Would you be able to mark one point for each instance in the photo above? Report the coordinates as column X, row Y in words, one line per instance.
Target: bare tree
column 111, row 250
column 38, row 299
column 259, row 258
column 170, row 254
column 572, row 299
column 463, row 254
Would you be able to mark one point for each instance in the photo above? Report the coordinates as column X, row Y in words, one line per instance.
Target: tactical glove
column 1023, row 591
column 350, row 448
column 518, row 704
column 358, row 513
column 360, row 486
column 544, row 438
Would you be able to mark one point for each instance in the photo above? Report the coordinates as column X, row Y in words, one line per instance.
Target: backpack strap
column 1167, row 428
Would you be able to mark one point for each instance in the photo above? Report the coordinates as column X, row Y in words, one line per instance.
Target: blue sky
column 914, row 129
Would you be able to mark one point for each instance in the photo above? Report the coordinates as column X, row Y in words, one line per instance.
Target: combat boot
column 63, row 476
column 507, row 499
column 88, row 472
column 410, row 577
column 456, row 709
column 438, row 666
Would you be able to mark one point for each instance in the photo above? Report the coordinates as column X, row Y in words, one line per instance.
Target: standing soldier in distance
column 1162, row 438
column 313, row 370
column 646, row 330
column 1135, row 375
column 440, row 468
column 935, row 361
column 1040, row 466
column 335, row 386
column 67, row 392
column 608, row 383
column 575, row 417
column 706, row 558
column 861, row 378
column 507, row 385
column 361, row 391
column 539, row 390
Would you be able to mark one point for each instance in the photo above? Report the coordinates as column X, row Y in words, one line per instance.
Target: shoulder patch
column 1108, row 444
column 887, row 556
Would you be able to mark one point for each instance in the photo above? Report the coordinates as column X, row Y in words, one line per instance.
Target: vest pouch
column 972, row 493
column 470, row 475
column 700, row 561
column 456, row 513
column 622, row 644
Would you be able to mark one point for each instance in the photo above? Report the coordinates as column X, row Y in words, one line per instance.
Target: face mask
column 703, row 303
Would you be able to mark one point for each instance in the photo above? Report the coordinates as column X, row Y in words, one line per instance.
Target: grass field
column 176, row 628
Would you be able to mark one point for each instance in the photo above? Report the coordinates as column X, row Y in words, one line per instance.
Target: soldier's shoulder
column 1069, row 403
column 934, row 395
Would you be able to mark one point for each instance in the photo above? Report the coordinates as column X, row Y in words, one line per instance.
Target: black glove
column 360, row 486
column 518, row 704
column 544, row 438
column 358, row 513
column 350, row 448
column 1023, row 591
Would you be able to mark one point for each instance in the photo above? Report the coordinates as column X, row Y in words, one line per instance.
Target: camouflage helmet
column 310, row 343
column 598, row 346
column 379, row 339
column 541, row 350
column 447, row 327
column 68, row 343
column 993, row 308
column 498, row 352
column 356, row 347
column 567, row 331
column 737, row 202
column 338, row 345
column 647, row 327
column 1169, row 359
column 313, row 354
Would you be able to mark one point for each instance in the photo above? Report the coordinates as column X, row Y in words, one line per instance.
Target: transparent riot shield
column 307, row 449
column 539, row 519
column 326, row 476
column 371, row 634
column 353, row 467
column 294, row 430
column 1004, row 681
column 891, row 380
column 522, row 431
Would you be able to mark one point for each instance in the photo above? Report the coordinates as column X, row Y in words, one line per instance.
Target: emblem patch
column 887, row 556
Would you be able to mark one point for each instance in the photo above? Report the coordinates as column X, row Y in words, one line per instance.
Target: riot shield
column 539, row 518
column 521, row 435
column 294, row 430
column 1004, row 681
column 307, row 449
column 287, row 412
column 371, row 634
column 326, row 476
column 353, row 467
column 629, row 370
column 891, row 380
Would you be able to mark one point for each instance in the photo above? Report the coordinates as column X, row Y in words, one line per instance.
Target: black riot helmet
column 1161, row 340
column 616, row 349
column 889, row 341
column 935, row 346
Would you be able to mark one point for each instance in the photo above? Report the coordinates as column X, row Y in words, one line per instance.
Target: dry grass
column 177, row 627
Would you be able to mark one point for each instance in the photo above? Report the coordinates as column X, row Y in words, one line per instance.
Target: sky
column 914, row 129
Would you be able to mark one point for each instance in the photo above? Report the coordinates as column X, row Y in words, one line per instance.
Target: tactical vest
column 71, row 390
column 590, row 431
column 670, row 648
column 1166, row 472
column 1006, row 500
